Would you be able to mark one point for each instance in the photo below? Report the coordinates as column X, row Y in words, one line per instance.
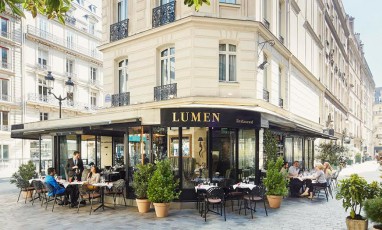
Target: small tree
column 330, row 152
column 275, row 181
column 23, row 175
column 270, row 147
column 141, row 180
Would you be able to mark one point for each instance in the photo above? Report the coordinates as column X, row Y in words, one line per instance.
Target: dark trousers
column 309, row 184
column 72, row 193
column 295, row 186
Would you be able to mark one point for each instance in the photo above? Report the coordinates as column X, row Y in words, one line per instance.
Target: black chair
column 118, row 189
column 216, row 197
column 235, row 195
column 257, row 194
column 24, row 187
column 317, row 188
column 53, row 198
column 40, row 191
column 334, row 181
column 88, row 192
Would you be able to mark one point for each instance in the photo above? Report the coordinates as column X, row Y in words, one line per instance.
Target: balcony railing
column 6, row 98
column 120, row 99
column 70, row 20
column 6, row 65
column 94, row 82
column 165, row 92
column 50, row 100
column 164, row 14
column 31, row 30
column 265, row 95
column 42, row 66
column 281, row 102
column 72, row 75
column 266, row 23
column 119, row 30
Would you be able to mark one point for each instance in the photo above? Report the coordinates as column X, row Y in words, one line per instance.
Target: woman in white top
column 93, row 177
column 319, row 176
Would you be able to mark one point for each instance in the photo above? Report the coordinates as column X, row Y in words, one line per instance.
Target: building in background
column 202, row 88
column 68, row 51
column 377, row 121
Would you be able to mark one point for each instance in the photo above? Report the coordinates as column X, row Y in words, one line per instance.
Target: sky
column 368, row 22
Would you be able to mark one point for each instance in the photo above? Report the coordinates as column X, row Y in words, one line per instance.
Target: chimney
column 351, row 23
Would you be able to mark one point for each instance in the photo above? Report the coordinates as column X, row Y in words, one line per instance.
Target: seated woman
column 284, row 171
column 93, row 177
column 319, row 176
column 328, row 170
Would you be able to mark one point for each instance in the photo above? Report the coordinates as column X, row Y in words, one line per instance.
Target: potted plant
column 22, row 176
column 275, row 183
column 354, row 191
column 373, row 211
column 140, row 184
column 161, row 188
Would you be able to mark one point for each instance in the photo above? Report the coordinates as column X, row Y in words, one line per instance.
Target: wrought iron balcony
column 164, row 14
column 6, row 98
column 265, row 95
column 281, row 102
column 119, row 30
column 165, row 92
column 42, row 66
column 70, row 20
column 94, row 82
column 120, row 99
column 4, row 128
column 6, row 65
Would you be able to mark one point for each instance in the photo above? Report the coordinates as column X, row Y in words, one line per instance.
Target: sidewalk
column 295, row 213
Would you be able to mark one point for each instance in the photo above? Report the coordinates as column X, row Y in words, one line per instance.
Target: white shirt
column 293, row 171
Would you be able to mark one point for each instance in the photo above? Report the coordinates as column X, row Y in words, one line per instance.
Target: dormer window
column 92, row 8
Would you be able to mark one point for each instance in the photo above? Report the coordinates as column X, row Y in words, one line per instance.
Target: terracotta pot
column 143, row 205
column 161, row 209
column 274, row 201
column 27, row 194
column 353, row 224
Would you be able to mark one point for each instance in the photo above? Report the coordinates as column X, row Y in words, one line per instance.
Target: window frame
column 167, row 59
column 123, row 75
column 227, row 68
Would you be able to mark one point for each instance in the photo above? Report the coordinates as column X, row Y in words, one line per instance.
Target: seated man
column 59, row 190
column 295, row 183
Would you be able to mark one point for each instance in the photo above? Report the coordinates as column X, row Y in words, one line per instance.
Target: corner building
column 201, row 88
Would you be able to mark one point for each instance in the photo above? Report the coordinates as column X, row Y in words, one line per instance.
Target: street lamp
column 50, row 84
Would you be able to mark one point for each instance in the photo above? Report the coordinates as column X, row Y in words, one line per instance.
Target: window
column 4, row 27
column 42, row 90
column 69, row 66
column 265, row 9
column 69, row 39
column 228, row 1
column 4, row 152
column 4, row 120
column 4, row 90
column 227, row 62
column 42, row 58
column 43, row 116
column 123, row 75
column 91, row 27
column 122, row 9
column 4, row 57
column 81, row 2
column 265, row 73
column 167, row 60
column 162, row 2
column 43, row 26
column 93, row 99
column 93, row 74
column 280, row 83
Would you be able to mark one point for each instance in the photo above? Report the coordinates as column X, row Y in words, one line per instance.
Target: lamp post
column 69, row 84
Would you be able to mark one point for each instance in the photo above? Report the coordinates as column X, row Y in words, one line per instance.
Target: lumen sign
column 209, row 117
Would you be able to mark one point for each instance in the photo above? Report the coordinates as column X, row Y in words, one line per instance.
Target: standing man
column 75, row 166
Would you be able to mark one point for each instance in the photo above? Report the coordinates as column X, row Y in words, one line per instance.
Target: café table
column 102, row 187
column 244, row 186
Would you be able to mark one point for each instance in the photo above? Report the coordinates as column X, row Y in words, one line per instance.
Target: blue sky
column 368, row 22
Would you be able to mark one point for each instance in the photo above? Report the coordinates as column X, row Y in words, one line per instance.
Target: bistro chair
column 88, row 193
column 257, row 194
column 317, row 188
column 214, row 196
column 40, row 191
column 118, row 189
column 53, row 198
column 235, row 195
column 334, row 181
column 24, row 187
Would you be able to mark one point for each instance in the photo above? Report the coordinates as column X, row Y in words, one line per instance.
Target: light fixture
column 270, row 42
column 263, row 65
column 69, row 84
column 200, row 139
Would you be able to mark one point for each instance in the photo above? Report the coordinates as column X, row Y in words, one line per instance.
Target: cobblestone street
column 295, row 213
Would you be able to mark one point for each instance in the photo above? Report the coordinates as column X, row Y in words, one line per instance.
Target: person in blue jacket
column 58, row 189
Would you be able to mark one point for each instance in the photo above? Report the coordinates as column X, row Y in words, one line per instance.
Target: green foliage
column 196, row 3
column 270, row 146
column 330, row 152
column 358, row 158
column 275, row 181
column 354, row 191
column 23, row 175
column 141, row 180
column 162, row 185
column 50, row 8
column 373, row 209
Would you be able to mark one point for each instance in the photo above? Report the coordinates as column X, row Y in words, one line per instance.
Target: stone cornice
column 313, row 34
column 335, row 35
column 340, row 14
